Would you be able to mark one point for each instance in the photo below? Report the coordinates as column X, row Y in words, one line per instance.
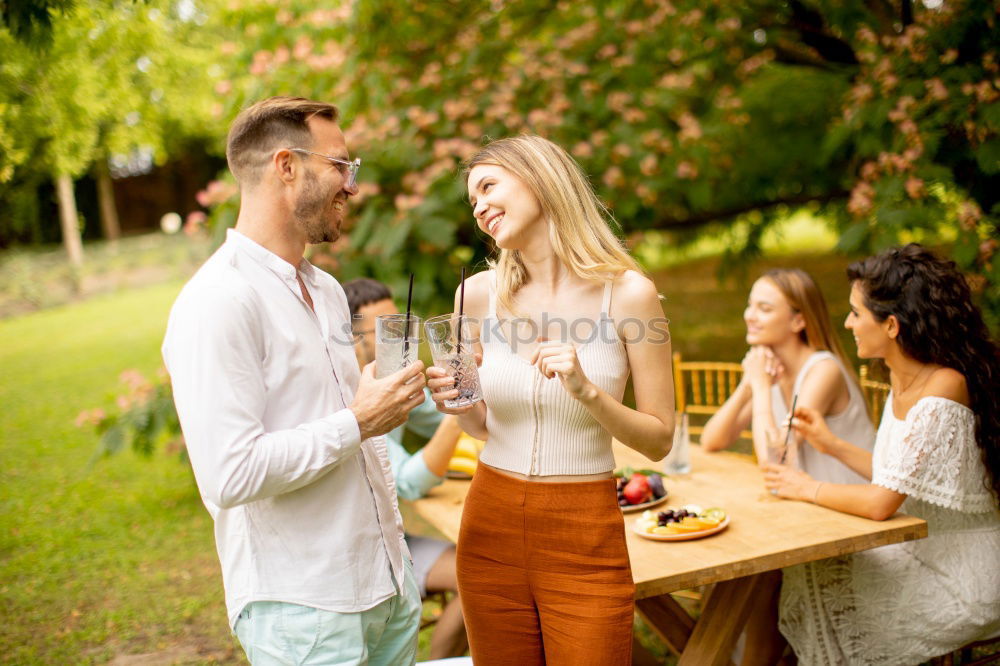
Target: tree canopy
column 881, row 115
column 97, row 80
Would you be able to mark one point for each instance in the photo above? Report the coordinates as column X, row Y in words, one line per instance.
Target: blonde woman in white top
column 793, row 353
column 567, row 316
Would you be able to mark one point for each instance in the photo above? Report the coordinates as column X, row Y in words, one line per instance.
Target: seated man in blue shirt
column 415, row 474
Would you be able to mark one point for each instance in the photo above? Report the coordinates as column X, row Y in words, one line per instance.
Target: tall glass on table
column 452, row 338
column 678, row 461
column 397, row 340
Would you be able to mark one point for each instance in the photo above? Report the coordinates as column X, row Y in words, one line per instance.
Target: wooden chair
column 874, row 392
column 701, row 387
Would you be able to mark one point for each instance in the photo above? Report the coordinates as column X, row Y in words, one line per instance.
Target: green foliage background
column 99, row 81
column 882, row 117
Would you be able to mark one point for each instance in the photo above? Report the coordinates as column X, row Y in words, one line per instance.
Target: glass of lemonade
column 396, row 344
column 458, row 360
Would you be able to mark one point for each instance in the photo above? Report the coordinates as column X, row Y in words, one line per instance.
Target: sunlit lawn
column 100, row 559
column 114, row 557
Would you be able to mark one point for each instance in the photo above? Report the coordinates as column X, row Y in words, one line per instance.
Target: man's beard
column 309, row 212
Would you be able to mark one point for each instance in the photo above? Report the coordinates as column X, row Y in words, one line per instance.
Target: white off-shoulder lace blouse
column 909, row 602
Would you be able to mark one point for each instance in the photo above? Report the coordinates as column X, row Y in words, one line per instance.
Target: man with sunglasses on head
column 283, row 431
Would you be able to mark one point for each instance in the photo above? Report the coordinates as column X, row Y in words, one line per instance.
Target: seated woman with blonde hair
column 937, row 457
column 794, row 355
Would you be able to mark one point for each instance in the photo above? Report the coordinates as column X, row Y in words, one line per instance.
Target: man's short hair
column 364, row 291
column 268, row 125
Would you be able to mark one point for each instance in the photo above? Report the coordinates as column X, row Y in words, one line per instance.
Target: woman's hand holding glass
column 442, row 386
column 559, row 359
column 811, row 426
column 789, row 483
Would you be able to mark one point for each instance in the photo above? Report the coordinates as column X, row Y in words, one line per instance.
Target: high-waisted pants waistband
column 544, row 574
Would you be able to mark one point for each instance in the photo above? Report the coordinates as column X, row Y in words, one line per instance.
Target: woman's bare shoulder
column 632, row 288
column 477, row 292
column 948, row 383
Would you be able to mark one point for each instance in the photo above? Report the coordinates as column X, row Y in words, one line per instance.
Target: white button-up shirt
column 305, row 512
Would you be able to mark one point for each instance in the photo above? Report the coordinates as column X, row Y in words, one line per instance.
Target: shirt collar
column 270, row 260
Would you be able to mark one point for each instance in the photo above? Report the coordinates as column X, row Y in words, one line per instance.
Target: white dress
column 851, row 425
column 909, row 602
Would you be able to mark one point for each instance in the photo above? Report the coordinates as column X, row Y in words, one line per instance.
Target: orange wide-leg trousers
column 544, row 574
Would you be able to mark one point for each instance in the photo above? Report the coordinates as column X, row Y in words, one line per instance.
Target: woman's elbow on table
column 884, row 505
column 880, row 513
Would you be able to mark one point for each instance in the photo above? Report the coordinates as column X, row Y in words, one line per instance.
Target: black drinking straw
column 406, row 326
column 461, row 309
column 788, row 433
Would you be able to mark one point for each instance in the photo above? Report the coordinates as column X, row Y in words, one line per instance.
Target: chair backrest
column 701, row 387
column 874, row 392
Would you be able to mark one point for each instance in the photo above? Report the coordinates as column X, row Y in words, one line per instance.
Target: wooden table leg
column 641, row 656
column 668, row 619
column 722, row 620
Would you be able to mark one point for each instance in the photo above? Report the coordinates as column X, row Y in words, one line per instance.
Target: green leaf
column 853, row 238
column 438, row 231
column 966, row 249
column 112, row 440
column 988, row 156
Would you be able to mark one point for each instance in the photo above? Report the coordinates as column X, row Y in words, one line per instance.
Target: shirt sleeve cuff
column 347, row 426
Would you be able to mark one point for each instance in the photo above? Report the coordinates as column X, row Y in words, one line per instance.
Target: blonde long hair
column 804, row 297
column 579, row 228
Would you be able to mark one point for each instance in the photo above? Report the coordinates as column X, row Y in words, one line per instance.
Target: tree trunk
column 69, row 219
column 106, row 199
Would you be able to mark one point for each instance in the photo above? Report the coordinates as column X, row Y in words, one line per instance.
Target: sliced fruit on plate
column 462, row 464
column 686, row 527
column 466, row 455
column 715, row 513
column 699, row 523
column 666, row 529
column 467, row 447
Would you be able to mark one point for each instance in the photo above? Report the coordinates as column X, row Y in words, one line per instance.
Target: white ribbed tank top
column 535, row 427
column 851, row 425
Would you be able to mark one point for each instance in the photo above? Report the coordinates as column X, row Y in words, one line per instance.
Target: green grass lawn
column 96, row 559
column 114, row 557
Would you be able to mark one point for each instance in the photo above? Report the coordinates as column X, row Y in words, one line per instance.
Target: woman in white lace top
column 937, row 456
column 794, row 353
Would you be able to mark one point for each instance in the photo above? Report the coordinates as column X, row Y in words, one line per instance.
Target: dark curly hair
column 938, row 323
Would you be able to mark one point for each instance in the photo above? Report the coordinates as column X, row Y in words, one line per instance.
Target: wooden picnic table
column 765, row 534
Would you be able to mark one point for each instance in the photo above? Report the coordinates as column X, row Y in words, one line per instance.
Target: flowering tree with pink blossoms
column 880, row 115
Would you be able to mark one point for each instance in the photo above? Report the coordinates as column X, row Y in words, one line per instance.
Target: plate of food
column 465, row 459
column 680, row 524
column 639, row 489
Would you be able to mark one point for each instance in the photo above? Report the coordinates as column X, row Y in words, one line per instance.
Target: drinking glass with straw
column 397, row 339
column 777, row 452
column 453, row 349
column 788, row 432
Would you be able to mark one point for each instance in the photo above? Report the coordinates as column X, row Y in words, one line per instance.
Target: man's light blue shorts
column 274, row 632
